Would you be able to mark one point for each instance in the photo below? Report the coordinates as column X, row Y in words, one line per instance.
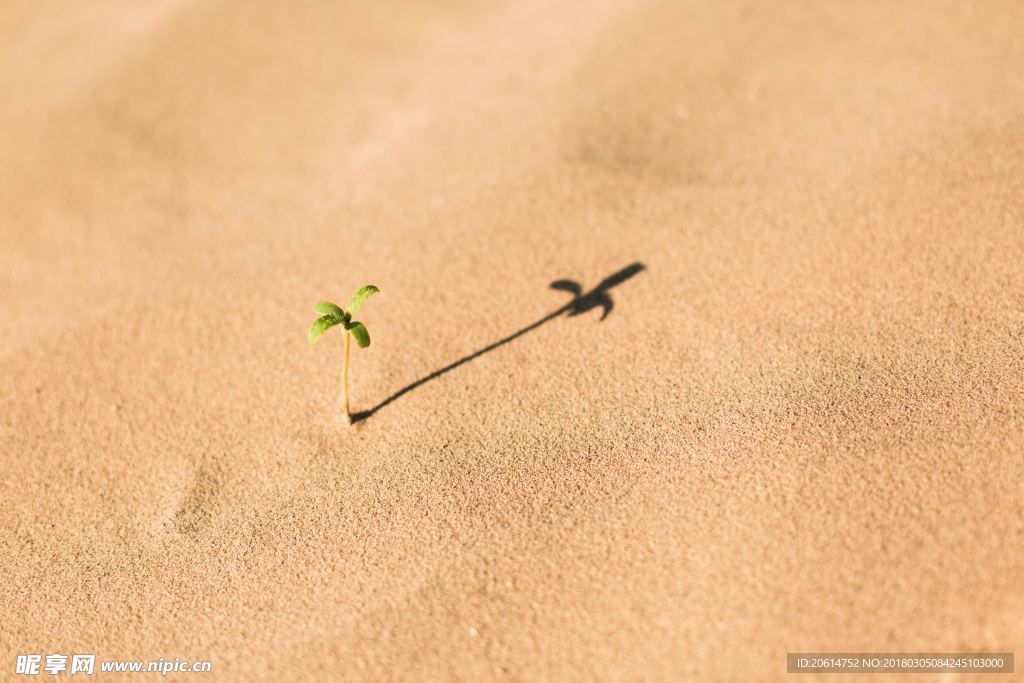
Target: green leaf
column 327, row 308
column 359, row 333
column 321, row 325
column 361, row 295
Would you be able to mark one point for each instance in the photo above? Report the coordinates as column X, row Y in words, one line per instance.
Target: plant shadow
column 582, row 302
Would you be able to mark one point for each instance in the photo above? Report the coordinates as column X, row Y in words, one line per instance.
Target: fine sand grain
column 799, row 428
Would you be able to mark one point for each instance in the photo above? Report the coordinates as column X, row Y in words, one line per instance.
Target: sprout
column 333, row 314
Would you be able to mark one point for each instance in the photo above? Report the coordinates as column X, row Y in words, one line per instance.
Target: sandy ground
column 800, row 428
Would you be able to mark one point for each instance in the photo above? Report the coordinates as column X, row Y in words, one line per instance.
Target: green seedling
column 333, row 314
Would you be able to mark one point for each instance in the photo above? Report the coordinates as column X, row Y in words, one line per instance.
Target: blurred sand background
column 800, row 428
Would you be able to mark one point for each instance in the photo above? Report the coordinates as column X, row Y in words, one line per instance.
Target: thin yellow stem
column 344, row 377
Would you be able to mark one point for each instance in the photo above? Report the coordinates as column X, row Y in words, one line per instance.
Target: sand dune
column 799, row 428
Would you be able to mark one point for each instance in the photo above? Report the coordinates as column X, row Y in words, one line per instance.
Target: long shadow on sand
column 581, row 302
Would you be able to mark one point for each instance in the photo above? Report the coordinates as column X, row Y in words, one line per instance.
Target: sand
column 799, row 427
